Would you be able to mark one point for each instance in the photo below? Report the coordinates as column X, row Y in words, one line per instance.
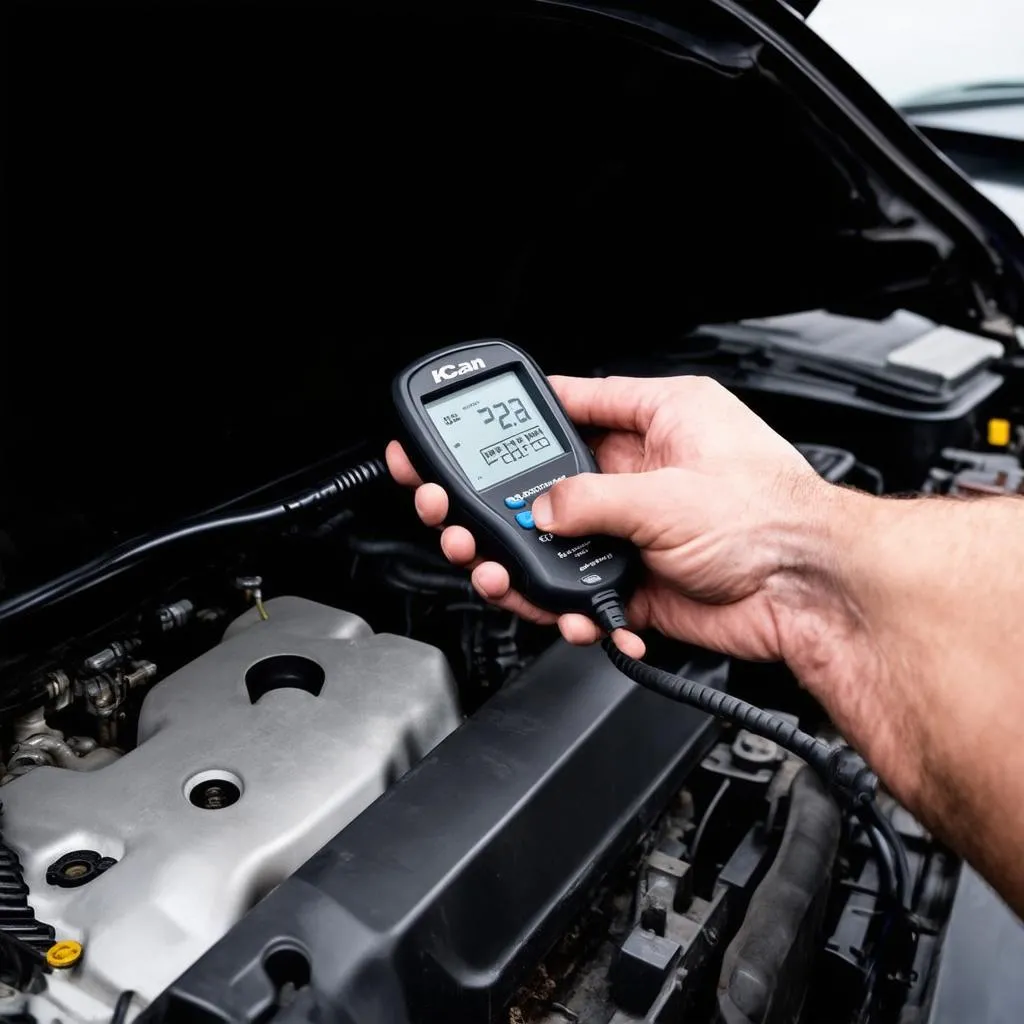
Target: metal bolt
column 212, row 794
column 251, row 587
column 213, row 798
column 140, row 673
column 58, row 688
column 752, row 752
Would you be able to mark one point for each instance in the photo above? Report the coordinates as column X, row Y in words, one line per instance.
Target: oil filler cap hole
column 284, row 672
column 77, row 868
column 214, row 790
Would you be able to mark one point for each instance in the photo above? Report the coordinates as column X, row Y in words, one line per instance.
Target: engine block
column 249, row 759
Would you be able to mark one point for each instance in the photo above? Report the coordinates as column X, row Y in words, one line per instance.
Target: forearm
column 903, row 620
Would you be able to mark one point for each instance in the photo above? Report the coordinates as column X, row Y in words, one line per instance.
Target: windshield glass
column 908, row 47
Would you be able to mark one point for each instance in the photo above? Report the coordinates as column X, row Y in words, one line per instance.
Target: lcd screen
column 494, row 430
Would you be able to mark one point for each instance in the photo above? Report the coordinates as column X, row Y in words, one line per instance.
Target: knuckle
column 567, row 494
column 698, row 384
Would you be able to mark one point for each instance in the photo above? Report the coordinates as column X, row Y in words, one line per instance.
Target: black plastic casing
column 549, row 570
column 438, row 901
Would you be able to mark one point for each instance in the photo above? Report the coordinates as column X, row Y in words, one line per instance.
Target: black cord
column 706, row 818
column 377, row 547
column 840, row 767
column 881, row 831
column 124, row 1001
column 435, row 582
column 886, row 860
column 112, row 563
column 894, row 875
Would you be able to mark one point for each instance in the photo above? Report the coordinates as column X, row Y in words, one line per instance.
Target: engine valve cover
column 249, row 759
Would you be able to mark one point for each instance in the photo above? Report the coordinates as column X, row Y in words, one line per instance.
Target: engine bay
column 170, row 775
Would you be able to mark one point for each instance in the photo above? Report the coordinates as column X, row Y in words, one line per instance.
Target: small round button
column 515, row 503
column 525, row 519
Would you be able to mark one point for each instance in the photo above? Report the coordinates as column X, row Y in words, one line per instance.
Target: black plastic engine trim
column 440, row 898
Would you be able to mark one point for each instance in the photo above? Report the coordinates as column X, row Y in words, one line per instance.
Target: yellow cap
column 999, row 433
column 64, row 954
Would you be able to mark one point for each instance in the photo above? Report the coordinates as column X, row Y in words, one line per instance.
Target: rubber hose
column 766, row 967
column 112, row 563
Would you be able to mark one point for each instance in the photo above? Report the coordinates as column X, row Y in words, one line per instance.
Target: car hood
column 229, row 225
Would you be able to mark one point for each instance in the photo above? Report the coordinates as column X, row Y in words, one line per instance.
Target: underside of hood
column 230, row 222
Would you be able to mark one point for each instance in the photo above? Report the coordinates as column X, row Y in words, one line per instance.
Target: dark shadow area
column 230, row 223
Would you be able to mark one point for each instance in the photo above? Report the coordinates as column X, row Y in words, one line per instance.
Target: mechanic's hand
column 716, row 501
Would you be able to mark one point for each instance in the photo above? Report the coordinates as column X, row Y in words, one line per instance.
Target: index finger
column 616, row 403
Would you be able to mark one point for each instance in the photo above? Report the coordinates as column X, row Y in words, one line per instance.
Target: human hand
column 882, row 609
column 718, row 504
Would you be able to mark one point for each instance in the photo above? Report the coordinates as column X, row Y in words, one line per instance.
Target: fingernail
column 476, row 586
column 541, row 510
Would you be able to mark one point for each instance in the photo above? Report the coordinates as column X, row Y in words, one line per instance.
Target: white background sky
column 906, row 46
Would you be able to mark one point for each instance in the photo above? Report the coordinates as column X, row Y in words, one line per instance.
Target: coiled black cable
column 839, row 767
column 111, row 563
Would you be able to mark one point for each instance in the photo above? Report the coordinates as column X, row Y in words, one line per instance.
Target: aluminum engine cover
column 306, row 764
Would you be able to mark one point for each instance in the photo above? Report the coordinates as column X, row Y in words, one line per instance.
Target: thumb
column 608, row 503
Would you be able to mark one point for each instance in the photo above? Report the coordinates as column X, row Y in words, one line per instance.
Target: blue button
column 525, row 519
column 515, row 503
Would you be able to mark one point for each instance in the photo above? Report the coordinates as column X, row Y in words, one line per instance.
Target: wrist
column 833, row 633
column 814, row 614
